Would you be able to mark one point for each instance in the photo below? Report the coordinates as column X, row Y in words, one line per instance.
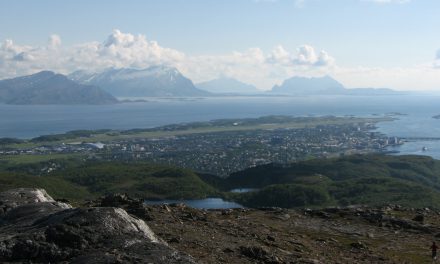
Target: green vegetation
column 76, row 179
column 9, row 141
column 32, row 159
column 75, row 134
column 286, row 195
column 368, row 179
column 360, row 179
column 139, row 180
column 58, row 188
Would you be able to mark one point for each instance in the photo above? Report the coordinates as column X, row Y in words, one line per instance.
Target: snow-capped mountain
column 152, row 81
column 47, row 87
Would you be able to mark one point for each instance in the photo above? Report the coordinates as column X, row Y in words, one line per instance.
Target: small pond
column 208, row 203
column 243, row 190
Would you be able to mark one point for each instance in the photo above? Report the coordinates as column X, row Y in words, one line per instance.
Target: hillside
column 138, row 179
column 38, row 229
column 372, row 180
column 78, row 180
column 155, row 81
column 389, row 234
column 49, row 88
column 369, row 179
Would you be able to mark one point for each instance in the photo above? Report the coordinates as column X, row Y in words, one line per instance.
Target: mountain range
column 83, row 87
column 224, row 85
column 325, row 85
column 47, row 87
column 155, row 81
column 305, row 86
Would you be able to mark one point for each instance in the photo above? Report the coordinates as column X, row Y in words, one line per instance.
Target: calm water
column 208, row 203
column 243, row 190
column 31, row 121
column 420, row 125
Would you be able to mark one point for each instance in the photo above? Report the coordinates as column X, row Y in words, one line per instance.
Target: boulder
column 36, row 228
column 419, row 218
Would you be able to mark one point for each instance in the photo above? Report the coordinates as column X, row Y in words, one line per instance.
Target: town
column 224, row 152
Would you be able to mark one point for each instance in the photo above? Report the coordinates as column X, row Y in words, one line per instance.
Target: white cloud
column 324, row 59
column 54, row 41
column 119, row 50
column 280, row 55
column 128, row 50
column 253, row 65
column 305, row 56
column 257, row 67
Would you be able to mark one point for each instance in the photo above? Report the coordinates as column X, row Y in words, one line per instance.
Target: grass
column 368, row 179
column 373, row 180
column 138, row 179
column 56, row 187
column 79, row 180
column 31, row 158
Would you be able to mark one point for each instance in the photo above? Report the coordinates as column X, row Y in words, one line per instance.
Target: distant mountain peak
column 325, row 85
column 47, row 87
column 39, row 76
column 43, row 73
column 158, row 80
column 298, row 85
column 227, row 85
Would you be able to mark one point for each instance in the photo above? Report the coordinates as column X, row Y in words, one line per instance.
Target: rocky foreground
column 117, row 229
column 36, row 228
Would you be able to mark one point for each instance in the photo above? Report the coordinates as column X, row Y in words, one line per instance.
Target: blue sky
column 362, row 39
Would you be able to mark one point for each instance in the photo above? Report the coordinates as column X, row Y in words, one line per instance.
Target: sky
column 361, row 43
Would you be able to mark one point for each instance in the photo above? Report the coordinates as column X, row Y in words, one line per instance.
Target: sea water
column 27, row 121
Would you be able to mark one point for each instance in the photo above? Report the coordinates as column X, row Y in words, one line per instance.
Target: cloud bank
column 136, row 51
column 255, row 66
column 118, row 50
column 437, row 60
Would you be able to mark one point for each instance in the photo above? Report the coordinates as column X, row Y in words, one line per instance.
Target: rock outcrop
column 353, row 234
column 36, row 228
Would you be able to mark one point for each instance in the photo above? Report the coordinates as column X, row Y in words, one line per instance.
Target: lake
column 208, row 203
column 243, row 190
column 26, row 121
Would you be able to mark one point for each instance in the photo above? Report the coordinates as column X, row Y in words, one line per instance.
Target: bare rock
column 35, row 228
column 259, row 253
column 419, row 218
